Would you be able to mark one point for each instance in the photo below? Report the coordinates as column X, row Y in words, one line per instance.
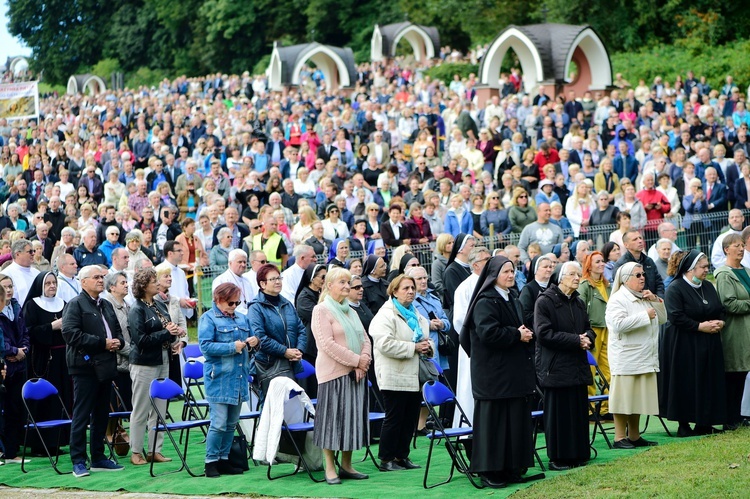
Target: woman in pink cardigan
column 344, row 355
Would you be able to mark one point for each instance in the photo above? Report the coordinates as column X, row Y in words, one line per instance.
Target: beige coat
column 396, row 359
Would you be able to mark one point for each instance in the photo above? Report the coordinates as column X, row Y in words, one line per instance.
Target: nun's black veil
column 486, row 280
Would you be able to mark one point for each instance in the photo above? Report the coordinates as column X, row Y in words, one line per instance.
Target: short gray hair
column 111, row 280
column 19, row 246
column 223, row 232
column 68, row 231
column 476, row 252
column 302, row 249
column 236, row 253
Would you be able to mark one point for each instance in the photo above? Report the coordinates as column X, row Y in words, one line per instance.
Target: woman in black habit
column 691, row 357
column 308, row 294
column 42, row 313
column 501, row 350
column 563, row 335
column 540, row 271
column 373, row 282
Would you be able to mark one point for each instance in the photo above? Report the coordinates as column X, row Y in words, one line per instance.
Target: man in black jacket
column 634, row 245
column 92, row 333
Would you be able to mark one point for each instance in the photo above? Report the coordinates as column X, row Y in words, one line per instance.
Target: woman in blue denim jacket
column 426, row 302
column 225, row 340
column 280, row 330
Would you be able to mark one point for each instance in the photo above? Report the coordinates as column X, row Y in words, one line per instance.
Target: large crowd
column 511, row 240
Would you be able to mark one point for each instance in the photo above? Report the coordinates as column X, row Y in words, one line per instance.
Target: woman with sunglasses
column 225, row 340
column 520, row 213
column 633, row 317
column 494, row 215
column 282, row 335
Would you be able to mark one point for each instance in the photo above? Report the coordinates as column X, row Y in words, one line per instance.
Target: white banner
column 19, row 100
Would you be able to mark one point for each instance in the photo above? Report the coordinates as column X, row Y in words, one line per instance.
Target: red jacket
column 541, row 160
column 652, row 196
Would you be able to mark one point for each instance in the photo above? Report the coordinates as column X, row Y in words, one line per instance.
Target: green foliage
column 144, row 77
column 668, row 61
column 445, row 72
column 104, row 68
column 262, row 65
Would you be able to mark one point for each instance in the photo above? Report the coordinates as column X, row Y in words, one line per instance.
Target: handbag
column 427, row 371
column 238, row 453
column 280, row 366
column 446, row 345
column 117, row 437
column 104, row 364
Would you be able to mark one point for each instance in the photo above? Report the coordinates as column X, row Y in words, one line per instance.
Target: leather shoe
column 642, row 442
column 624, row 444
column 136, row 459
column 158, row 458
column 685, row 431
column 211, row 470
column 407, row 464
column 333, row 481
column 352, row 476
column 390, row 466
column 226, row 468
column 553, row 466
column 493, row 484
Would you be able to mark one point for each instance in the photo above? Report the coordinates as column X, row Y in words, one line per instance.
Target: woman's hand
column 174, row 329
column 710, row 327
column 423, row 347
column 585, row 342
column 651, row 313
column 57, row 324
column 239, row 346
column 252, row 341
column 526, row 334
column 436, row 324
column 360, row 374
column 649, row 296
column 293, row 354
column 177, row 348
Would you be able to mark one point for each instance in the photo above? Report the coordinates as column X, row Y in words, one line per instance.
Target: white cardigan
column 633, row 346
column 269, row 427
column 396, row 358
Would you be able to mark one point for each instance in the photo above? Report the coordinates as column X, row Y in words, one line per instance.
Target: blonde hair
column 442, row 241
column 162, row 269
column 397, row 254
column 332, row 276
column 517, row 191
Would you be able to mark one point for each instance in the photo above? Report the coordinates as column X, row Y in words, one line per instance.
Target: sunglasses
column 638, row 275
column 357, row 287
column 523, row 197
column 262, row 262
column 234, row 303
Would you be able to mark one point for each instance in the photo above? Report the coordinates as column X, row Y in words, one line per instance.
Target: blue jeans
column 224, row 419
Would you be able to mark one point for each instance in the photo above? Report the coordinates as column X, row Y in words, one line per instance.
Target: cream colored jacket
column 396, row 359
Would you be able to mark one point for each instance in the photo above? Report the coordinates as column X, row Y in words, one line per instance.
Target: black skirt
column 566, row 424
column 503, row 436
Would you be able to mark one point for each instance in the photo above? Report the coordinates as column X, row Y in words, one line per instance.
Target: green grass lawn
column 715, row 466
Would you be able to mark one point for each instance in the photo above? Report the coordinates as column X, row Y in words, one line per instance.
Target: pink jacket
column 334, row 357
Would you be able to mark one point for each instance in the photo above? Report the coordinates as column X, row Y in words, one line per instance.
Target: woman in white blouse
column 580, row 206
column 303, row 184
column 665, row 187
column 333, row 226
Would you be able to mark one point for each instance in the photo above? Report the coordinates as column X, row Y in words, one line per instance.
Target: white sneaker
column 18, row 460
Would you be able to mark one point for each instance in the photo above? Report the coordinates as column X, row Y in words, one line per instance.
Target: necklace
column 703, row 297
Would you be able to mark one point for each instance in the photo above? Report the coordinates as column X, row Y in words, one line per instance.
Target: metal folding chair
column 194, row 408
column 166, row 389
column 119, row 412
column 254, row 416
column 292, row 430
column 434, row 394
column 37, row 389
column 308, row 370
column 596, row 401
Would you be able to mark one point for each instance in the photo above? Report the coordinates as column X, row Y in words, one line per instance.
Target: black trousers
column 401, row 415
column 14, row 412
column 90, row 404
column 735, row 383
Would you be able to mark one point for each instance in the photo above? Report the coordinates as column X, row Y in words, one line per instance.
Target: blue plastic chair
column 191, row 351
column 434, row 394
column 308, row 370
column 166, row 389
column 194, row 408
column 37, row 389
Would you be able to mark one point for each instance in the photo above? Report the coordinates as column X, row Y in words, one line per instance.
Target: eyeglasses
column 262, row 262
column 495, row 197
column 97, row 277
column 638, row 275
column 234, row 303
column 275, row 279
column 30, row 252
column 357, row 287
column 373, row 209
column 523, row 197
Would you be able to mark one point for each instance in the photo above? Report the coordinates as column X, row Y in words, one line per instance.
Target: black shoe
column 553, row 466
column 707, row 430
column 685, row 431
column 333, row 481
column 225, row 468
column 423, row 432
column 352, row 476
column 642, row 442
column 390, row 466
column 212, row 470
column 493, row 483
column 624, row 444
column 407, row 464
